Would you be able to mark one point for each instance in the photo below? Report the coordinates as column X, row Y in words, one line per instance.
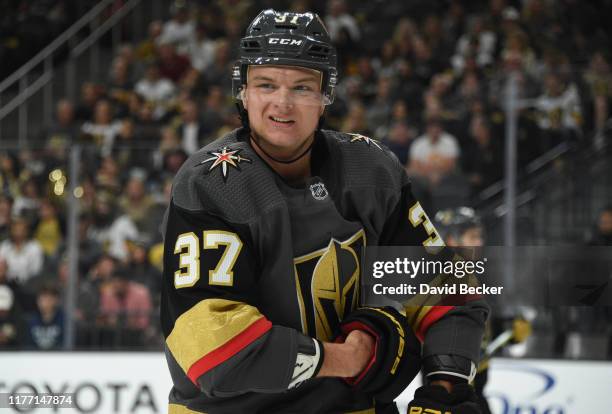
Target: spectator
column 478, row 42
column 355, row 120
column 439, row 91
column 9, row 174
column 379, row 113
column 28, row 201
column 46, row 324
column 23, row 255
column 434, row 154
column 172, row 66
column 120, row 85
column 453, row 23
column 65, row 128
column 169, row 142
column 403, row 37
column 141, row 270
column 10, row 324
column 56, row 151
column 338, row 18
column 483, row 156
column 6, row 208
column 112, row 230
column 156, row 91
column 408, row 87
column 180, row 30
column 598, row 78
column 102, row 130
column 191, row 130
column 512, row 64
column 49, row 229
column 131, row 150
column 11, row 284
column 173, row 160
column 424, row 64
column 386, row 64
column 603, row 231
column 469, row 90
column 215, row 111
column 202, row 50
column 217, row 73
column 126, row 305
column 134, row 201
column 517, row 43
column 399, row 139
column 559, row 110
column 147, row 49
column 89, row 249
column 107, row 176
column 90, row 94
column 367, row 78
column 435, row 38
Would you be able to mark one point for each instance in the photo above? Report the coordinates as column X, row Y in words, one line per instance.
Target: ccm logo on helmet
column 277, row 41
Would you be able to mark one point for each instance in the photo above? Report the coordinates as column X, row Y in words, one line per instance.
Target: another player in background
column 263, row 241
column 462, row 230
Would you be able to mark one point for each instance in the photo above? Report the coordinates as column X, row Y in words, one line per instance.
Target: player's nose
column 284, row 99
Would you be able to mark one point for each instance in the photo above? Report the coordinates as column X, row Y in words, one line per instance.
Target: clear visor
column 280, row 88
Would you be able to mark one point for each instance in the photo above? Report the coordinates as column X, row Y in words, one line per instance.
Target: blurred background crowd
column 426, row 78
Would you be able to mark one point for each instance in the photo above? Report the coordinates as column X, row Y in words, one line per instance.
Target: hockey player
column 263, row 241
column 462, row 229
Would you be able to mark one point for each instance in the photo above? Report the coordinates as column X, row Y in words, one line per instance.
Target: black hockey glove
column 397, row 352
column 435, row 399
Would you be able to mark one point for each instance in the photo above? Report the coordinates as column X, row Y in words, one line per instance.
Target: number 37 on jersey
column 188, row 247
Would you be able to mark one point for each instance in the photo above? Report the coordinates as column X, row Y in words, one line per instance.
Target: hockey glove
column 397, row 353
column 435, row 399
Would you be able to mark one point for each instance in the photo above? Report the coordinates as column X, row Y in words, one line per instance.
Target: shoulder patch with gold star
column 224, row 159
column 362, row 138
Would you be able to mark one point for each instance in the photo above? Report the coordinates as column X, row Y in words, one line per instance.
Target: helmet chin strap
column 255, row 140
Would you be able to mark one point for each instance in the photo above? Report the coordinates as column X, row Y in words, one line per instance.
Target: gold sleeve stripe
column 181, row 409
column 213, row 331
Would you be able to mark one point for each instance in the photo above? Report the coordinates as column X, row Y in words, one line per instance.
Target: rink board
column 139, row 383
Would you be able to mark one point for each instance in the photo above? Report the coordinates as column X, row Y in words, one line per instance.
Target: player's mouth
column 281, row 122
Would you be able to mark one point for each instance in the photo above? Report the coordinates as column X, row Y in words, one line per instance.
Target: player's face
column 284, row 104
column 472, row 237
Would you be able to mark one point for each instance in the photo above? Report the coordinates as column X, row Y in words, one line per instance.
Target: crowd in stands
column 26, row 26
column 427, row 78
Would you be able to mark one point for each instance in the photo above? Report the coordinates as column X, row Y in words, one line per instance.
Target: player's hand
column 360, row 347
column 348, row 358
column 396, row 359
column 437, row 399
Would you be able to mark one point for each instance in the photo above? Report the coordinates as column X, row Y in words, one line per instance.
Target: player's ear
column 243, row 96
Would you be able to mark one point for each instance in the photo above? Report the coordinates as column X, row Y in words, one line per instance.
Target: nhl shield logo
column 318, row 190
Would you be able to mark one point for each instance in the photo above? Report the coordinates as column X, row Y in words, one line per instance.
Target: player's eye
column 303, row 88
column 265, row 86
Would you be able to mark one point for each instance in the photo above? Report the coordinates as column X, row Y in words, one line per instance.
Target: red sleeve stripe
column 434, row 314
column 229, row 349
